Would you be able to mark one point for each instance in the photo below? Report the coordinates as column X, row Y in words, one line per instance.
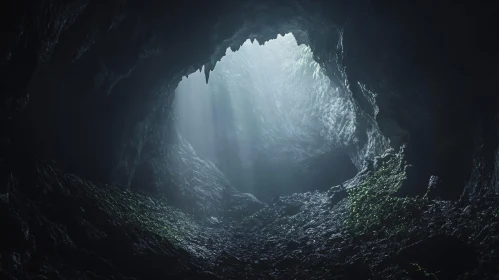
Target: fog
column 269, row 119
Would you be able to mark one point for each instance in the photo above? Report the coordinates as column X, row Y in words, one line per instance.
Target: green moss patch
column 373, row 205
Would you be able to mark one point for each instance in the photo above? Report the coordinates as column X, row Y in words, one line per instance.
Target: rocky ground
column 57, row 225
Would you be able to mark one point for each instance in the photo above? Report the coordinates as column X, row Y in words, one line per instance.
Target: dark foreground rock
column 65, row 227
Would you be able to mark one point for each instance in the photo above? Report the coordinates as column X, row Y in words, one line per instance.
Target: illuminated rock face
column 272, row 121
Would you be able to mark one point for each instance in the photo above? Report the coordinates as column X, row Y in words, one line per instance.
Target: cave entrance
column 269, row 119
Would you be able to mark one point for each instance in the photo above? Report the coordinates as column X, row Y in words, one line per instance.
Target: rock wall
column 84, row 82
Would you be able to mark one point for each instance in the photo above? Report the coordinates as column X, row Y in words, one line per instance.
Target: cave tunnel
column 249, row 139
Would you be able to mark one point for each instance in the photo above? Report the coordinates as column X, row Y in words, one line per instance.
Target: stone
column 337, row 195
column 292, row 209
column 433, row 183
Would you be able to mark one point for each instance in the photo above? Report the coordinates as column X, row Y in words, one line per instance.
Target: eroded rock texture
column 85, row 119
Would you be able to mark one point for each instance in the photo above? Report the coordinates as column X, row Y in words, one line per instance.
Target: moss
column 140, row 214
column 144, row 213
column 372, row 204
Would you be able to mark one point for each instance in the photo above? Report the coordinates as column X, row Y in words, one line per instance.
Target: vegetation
column 104, row 204
column 372, row 203
column 142, row 213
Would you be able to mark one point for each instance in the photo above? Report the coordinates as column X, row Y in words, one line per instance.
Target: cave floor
column 63, row 227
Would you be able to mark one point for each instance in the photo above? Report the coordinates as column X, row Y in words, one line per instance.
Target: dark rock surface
column 65, row 227
column 89, row 84
column 446, row 254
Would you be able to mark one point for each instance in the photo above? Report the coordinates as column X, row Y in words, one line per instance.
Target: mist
column 269, row 119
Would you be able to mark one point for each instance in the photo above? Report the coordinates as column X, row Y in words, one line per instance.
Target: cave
column 269, row 119
column 249, row 139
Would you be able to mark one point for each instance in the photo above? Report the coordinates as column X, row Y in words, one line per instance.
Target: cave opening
column 269, row 119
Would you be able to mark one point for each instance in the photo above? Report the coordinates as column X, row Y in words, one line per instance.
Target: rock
column 433, row 183
column 16, row 259
column 355, row 181
column 276, row 199
column 292, row 209
column 379, row 161
column 88, row 232
column 368, row 165
column 292, row 245
column 213, row 222
column 336, row 195
column 244, row 204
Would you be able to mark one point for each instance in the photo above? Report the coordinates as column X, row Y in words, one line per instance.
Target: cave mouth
column 269, row 119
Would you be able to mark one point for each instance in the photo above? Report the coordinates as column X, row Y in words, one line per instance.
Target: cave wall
column 434, row 66
column 88, row 82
